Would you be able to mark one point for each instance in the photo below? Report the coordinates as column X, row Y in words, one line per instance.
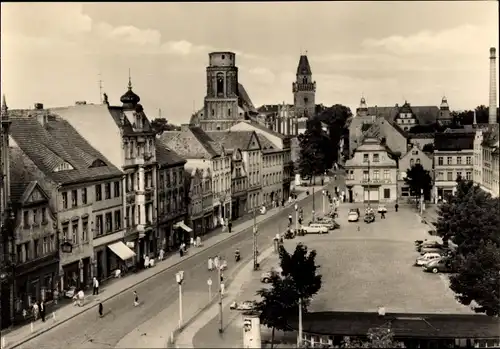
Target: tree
column 336, row 118
column 377, row 337
column 314, row 147
column 419, row 180
column 161, row 125
column 298, row 282
column 470, row 219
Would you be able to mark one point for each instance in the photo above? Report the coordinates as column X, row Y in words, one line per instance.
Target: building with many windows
column 486, row 159
column 413, row 156
column 371, row 173
column 453, row 158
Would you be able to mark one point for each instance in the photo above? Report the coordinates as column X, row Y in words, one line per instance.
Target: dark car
column 432, row 244
column 369, row 218
column 442, row 265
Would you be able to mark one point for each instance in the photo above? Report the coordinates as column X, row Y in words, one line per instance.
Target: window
column 468, row 160
column 74, row 232
column 74, row 198
column 449, row 176
column 35, row 216
column 366, row 175
column 365, row 158
column 98, row 192
column 84, row 196
column 46, row 245
column 376, row 158
column 440, row 176
column 387, row 174
column 65, row 200
column 449, row 160
column 107, row 191
column 440, row 160
column 387, row 193
column 414, row 152
column 26, row 218
column 44, row 214
column 127, row 217
column 65, row 231
column 109, row 223
column 412, row 162
column 459, row 160
column 85, row 230
column 468, row 175
column 117, row 189
column 459, row 174
column 98, row 225
column 376, row 175
column 36, row 248
column 418, row 161
column 118, row 219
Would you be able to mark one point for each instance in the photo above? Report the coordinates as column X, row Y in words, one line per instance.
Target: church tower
column 304, row 90
column 221, row 101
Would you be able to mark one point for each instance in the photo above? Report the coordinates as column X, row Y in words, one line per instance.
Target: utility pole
column 255, row 264
column 313, row 211
column 221, row 327
column 299, row 337
column 100, row 88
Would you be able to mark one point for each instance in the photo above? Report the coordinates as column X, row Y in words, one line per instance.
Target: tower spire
column 129, row 80
column 4, row 103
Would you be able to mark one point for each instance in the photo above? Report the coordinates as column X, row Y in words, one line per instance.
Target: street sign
column 209, row 282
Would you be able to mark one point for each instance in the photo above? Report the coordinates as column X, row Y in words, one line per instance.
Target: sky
column 388, row 52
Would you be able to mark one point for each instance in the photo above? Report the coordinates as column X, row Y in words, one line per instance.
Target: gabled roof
column 425, row 115
column 454, row 141
column 264, row 128
column 191, row 143
column 57, row 143
column 416, row 146
column 376, row 129
column 266, row 145
column 244, row 100
column 232, row 140
column 304, row 68
column 167, row 157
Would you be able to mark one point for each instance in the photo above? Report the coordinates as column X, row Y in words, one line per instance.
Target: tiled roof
column 454, row 141
column 421, row 135
column 425, row 115
column 192, row 143
column 402, row 324
column 264, row 128
column 166, row 156
column 304, row 68
column 244, row 100
column 376, row 129
column 232, row 140
column 56, row 143
column 266, row 145
column 22, row 173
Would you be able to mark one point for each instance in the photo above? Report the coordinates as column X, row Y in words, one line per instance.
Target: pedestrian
column 42, row 310
column 95, row 288
column 300, row 220
column 79, row 298
column 136, row 299
column 283, row 202
column 181, row 252
column 198, row 241
column 290, row 218
column 216, row 262
column 35, row 310
column 229, row 226
column 100, row 309
column 191, row 241
column 56, row 294
column 161, row 254
column 396, row 207
column 382, row 215
column 210, row 264
column 224, row 264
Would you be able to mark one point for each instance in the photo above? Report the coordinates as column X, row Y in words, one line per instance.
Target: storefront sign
column 376, row 181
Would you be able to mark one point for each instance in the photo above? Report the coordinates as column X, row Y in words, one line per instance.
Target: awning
column 121, row 250
column 183, row 226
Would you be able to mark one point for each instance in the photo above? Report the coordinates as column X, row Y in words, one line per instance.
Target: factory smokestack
column 493, row 87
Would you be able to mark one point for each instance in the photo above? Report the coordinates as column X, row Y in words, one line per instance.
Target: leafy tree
column 466, row 117
column 377, row 337
column 428, row 148
column 314, row 149
column 478, row 278
column 161, row 125
column 419, row 179
column 336, row 118
column 298, row 282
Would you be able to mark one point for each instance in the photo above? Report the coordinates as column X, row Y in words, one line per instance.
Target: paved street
column 156, row 294
column 361, row 270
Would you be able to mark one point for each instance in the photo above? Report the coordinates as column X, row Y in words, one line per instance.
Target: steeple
column 304, row 90
column 363, row 108
column 130, row 99
column 444, row 104
column 5, row 115
column 304, row 68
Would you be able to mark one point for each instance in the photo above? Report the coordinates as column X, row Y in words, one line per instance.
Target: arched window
column 412, row 162
column 304, row 80
column 220, row 84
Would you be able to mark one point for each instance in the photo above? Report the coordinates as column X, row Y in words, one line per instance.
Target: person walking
column 210, row 264
column 290, row 219
column 95, row 286
column 229, row 226
column 382, row 215
column 161, row 254
column 42, row 310
column 35, row 310
column 136, row 299
column 396, row 207
column 100, row 309
column 216, row 262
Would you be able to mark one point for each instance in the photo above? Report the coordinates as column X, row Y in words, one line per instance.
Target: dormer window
column 98, row 163
column 65, row 166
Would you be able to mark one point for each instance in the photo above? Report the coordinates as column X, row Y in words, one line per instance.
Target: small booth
column 125, row 253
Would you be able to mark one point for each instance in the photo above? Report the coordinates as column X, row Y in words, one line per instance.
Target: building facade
column 272, row 173
column 226, row 101
column 304, row 90
column 486, row 159
column 194, row 189
column 453, row 158
column 239, row 185
column 207, row 200
column 371, row 173
column 414, row 156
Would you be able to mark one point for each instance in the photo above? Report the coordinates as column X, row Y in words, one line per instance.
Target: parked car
column 243, row 306
column 381, row 208
column 369, row 217
column 441, row 265
column 353, row 216
column 330, row 225
column 314, row 228
column 426, row 258
column 266, row 276
column 427, row 244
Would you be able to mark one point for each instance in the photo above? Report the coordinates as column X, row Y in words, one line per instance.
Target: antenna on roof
column 159, row 113
column 100, row 87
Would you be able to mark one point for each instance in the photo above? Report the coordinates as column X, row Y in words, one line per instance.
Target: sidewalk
column 23, row 334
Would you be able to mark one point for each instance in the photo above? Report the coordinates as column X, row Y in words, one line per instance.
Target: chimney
column 493, row 87
column 38, row 106
column 80, row 102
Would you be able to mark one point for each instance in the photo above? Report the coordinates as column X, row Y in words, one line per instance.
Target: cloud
column 262, row 75
column 463, row 40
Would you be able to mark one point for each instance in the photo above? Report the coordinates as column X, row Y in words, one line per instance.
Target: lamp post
column 219, row 271
column 299, row 336
column 296, row 219
column 254, row 231
column 313, row 210
column 179, row 277
column 324, row 196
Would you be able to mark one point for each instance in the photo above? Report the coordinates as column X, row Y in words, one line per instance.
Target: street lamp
column 219, row 271
column 324, row 196
column 313, row 209
column 296, row 219
column 254, row 231
column 179, row 277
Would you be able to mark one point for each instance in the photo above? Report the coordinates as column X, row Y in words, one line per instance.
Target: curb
column 171, row 342
column 128, row 288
